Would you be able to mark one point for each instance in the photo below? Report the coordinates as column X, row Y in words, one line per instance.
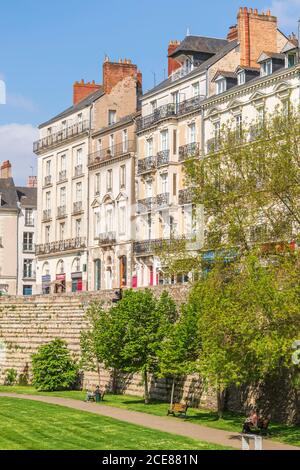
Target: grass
column 230, row 422
column 29, row 425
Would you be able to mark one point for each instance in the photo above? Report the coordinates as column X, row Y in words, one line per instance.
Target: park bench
column 179, row 409
column 92, row 397
column 261, row 429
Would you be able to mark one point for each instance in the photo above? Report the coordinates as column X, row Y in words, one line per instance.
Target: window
column 174, row 184
column 174, row 142
column 78, row 228
column 239, row 126
column 97, row 224
column 97, row 270
column 111, row 144
column 47, row 234
column 221, row 86
column 109, row 220
column 109, row 182
column 153, row 105
column 148, row 188
column 28, row 241
column 79, row 157
column 164, row 140
column 150, row 147
column 291, row 60
column 125, row 140
column 27, row 290
column 164, row 183
column 29, row 222
column 48, row 168
column 112, row 117
column 122, row 220
column 217, row 132
column 64, row 128
column 196, row 89
column 176, row 100
column 48, row 201
column 80, row 121
column 97, row 184
column 63, row 163
column 241, row 77
column 192, row 133
column 62, row 229
column 78, row 192
column 49, row 131
column 261, row 117
column 63, row 197
column 28, row 269
column 266, row 68
column 123, row 176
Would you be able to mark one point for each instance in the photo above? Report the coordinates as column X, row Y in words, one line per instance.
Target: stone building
column 17, row 234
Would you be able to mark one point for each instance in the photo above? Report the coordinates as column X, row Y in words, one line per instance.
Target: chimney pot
column 6, row 170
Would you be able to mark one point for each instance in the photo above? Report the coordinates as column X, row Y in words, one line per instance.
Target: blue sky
column 46, row 46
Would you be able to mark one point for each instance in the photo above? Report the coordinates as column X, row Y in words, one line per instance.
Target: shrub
column 10, row 377
column 23, row 380
column 53, row 367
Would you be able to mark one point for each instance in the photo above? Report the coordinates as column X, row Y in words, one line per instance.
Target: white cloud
column 16, row 142
column 288, row 13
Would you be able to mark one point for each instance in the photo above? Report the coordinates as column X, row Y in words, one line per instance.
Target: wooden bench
column 179, row 409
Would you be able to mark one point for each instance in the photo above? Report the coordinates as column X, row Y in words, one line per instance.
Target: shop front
column 60, row 284
column 46, row 284
column 77, row 284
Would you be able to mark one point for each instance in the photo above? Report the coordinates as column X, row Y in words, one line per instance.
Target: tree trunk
column 146, row 386
column 114, row 384
column 221, row 401
column 173, row 392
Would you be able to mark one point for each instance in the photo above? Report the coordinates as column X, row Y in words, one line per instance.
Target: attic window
column 221, row 85
column 266, row 68
column 241, row 78
column 291, row 60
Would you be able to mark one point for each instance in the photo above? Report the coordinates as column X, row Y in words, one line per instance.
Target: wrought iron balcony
column 146, row 165
column 46, row 215
column 162, row 201
column 189, row 151
column 78, row 171
column 61, row 211
column 61, row 136
column 149, row 247
column 185, row 196
column 109, row 153
column 62, row 176
column 107, row 239
column 146, row 205
column 48, row 180
column 190, row 105
column 61, row 246
column 77, row 207
column 163, row 158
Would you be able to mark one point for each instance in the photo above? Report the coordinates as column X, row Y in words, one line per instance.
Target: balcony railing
column 61, row 136
column 146, row 165
column 185, row 196
column 78, row 171
column 46, row 215
column 163, row 158
column 77, row 207
column 61, row 246
column 48, row 180
column 151, row 246
column 169, row 110
column 61, row 211
column 146, row 205
column 28, row 248
column 62, row 176
column 109, row 153
column 108, row 238
column 162, row 201
column 189, row 151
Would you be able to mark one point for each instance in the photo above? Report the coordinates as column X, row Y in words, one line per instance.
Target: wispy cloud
column 20, row 102
column 16, row 145
column 288, row 13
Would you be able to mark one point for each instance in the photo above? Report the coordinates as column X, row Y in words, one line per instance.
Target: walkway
column 165, row 424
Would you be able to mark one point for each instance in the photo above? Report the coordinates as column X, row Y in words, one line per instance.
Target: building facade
column 17, row 235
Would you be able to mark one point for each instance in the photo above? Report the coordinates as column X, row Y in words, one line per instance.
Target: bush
column 10, row 377
column 53, row 367
column 23, row 380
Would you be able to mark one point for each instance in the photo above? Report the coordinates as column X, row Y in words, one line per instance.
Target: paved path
column 166, row 424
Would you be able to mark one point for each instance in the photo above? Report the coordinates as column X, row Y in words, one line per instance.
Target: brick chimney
column 32, row 182
column 6, row 170
column 173, row 64
column 82, row 90
column 116, row 72
column 257, row 32
column 233, row 33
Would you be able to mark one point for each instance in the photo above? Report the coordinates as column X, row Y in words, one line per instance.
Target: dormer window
column 221, row 85
column 291, row 60
column 241, row 77
column 266, row 68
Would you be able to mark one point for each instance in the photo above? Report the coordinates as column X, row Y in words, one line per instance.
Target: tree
column 141, row 320
column 53, row 367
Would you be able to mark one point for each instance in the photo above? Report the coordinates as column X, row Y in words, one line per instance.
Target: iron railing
column 146, row 165
column 162, row 201
column 163, row 158
column 151, row 246
column 61, row 211
column 185, row 196
column 61, row 136
column 146, row 205
column 109, row 153
column 189, row 151
column 61, row 246
column 107, row 238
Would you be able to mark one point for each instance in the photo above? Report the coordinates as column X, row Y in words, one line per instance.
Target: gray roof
column 202, row 68
column 27, row 196
column 270, row 55
column 9, row 197
column 200, row 44
column 225, row 74
column 75, row 108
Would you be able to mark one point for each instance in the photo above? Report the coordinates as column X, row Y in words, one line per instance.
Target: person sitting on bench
column 90, row 396
column 251, row 422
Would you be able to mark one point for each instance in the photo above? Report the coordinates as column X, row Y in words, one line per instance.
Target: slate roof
column 11, row 195
column 75, row 108
column 27, row 196
column 270, row 55
column 200, row 44
column 225, row 74
column 202, row 68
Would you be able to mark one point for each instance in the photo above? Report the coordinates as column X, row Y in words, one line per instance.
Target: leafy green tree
column 53, row 367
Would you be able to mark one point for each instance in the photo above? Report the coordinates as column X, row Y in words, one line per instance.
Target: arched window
column 46, row 269
column 60, row 267
column 76, row 265
column 97, row 274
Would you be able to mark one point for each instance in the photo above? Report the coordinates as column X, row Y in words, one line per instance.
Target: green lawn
column 231, row 422
column 29, row 425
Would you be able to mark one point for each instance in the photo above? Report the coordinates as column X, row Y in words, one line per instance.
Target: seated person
column 98, row 394
column 90, row 396
column 251, row 422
